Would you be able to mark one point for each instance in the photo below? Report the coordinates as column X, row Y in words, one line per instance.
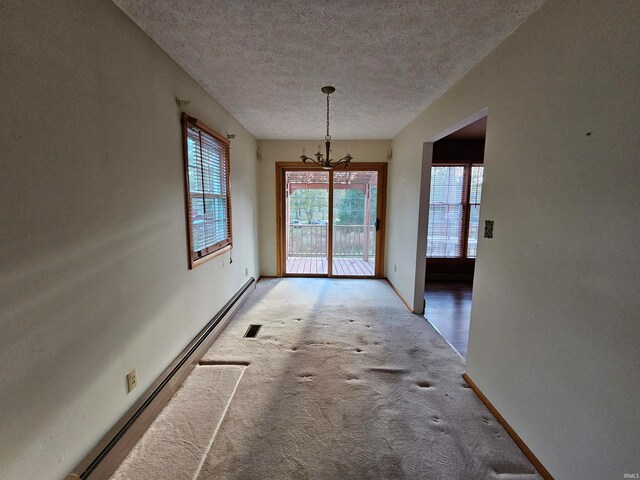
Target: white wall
column 94, row 278
column 273, row 151
column 555, row 324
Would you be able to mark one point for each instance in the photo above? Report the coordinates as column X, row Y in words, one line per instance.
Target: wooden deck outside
column 355, row 267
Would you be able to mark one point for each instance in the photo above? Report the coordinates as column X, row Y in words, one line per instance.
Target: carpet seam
column 215, row 432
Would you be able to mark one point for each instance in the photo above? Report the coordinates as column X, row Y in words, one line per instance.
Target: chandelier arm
column 313, row 160
column 342, row 161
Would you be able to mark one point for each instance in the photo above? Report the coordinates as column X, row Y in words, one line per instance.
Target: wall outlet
column 246, row 272
column 395, row 268
column 132, row 380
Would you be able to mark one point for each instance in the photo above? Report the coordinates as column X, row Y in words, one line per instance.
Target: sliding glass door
column 354, row 223
column 330, row 222
column 306, row 219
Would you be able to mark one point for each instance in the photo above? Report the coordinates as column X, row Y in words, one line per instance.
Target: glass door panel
column 355, row 195
column 306, row 222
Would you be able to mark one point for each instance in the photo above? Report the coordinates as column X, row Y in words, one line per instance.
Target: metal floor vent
column 252, row 332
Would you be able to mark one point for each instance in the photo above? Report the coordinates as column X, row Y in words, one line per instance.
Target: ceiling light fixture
column 323, row 160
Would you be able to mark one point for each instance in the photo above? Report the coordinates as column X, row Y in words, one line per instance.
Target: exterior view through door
column 307, row 218
column 331, row 220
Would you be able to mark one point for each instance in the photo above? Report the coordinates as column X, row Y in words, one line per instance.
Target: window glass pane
column 476, row 184
column 474, row 220
column 195, row 172
column 474, row 209
column 197, row 223
column 445, row 212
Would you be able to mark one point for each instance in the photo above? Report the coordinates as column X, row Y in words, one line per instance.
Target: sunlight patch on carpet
column 178, row 440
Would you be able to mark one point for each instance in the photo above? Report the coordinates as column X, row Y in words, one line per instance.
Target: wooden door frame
column 381, row 210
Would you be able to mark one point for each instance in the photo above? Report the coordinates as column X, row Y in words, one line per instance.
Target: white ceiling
column 265, row 61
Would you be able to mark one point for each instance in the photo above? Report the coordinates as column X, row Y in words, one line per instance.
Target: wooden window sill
column 212, row 255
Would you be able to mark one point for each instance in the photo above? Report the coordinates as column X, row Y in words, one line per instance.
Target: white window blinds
column 446, row 212
column 474, row 209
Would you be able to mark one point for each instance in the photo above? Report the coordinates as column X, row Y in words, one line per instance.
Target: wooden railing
column 354, row 241
column 307, row 240
column 348, row 241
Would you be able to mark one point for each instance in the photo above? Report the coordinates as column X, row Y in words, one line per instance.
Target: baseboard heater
column 109, row 453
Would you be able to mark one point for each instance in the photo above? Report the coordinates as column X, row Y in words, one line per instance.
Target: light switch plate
column 488, row 229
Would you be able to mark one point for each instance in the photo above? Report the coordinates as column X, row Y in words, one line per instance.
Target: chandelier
column 325, row 161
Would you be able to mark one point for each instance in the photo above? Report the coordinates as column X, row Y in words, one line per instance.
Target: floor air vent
column 252, row 332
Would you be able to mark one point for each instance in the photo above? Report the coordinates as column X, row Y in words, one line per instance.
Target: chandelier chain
column 328, row 137
column 324, row 161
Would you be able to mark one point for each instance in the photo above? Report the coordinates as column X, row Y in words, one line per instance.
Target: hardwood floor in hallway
column 449, row 311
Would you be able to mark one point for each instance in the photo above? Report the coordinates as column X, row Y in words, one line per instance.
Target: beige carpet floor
column 342, row 383
column 178, row 440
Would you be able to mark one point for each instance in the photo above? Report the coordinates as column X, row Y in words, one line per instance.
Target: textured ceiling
column 265, row 61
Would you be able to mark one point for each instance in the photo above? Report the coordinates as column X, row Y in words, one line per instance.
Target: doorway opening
column 331, row 222
column 457, row 173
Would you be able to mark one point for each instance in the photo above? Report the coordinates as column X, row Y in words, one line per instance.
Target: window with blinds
column 446, row 209
column 454, row 211
column 206, row 156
